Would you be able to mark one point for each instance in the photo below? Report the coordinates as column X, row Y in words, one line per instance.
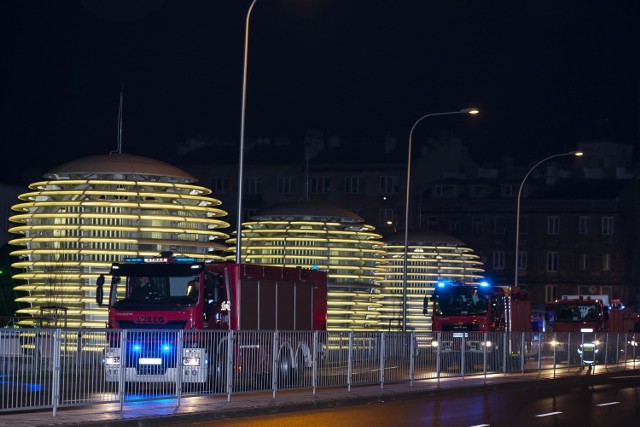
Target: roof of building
column 429, row 237
column 119, row 164
column 309, row 210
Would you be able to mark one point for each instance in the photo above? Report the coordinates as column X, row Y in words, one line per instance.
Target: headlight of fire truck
column 191, row 357
column 434, row 343
column 487, row 344
column 633, row 342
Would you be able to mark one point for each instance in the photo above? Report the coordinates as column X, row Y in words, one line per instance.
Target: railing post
column 314, row 367
column 541, row 338
column 484, row 356
column 504, row 353
column 463, row 351
column 438, row 352
column 55, row 389
column 522, row 353
column 412, row 358
column 230, row 362
column 382, row 355
column 350, row 361
column 274, row 366
column 180, row 367
column 123, row 367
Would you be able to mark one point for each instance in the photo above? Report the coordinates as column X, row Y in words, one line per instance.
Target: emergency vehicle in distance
column 193, row 297
column 463, row 312
column 589, row 318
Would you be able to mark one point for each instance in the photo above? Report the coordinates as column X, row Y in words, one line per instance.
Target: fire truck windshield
column 576, row 312
column 460, row 301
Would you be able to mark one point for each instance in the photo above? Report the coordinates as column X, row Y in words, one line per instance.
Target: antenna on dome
column 119, row 149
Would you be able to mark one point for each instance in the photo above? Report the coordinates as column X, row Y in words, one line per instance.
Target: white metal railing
column 54, row 368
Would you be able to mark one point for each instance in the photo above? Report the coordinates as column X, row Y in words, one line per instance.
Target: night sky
column 545, row 74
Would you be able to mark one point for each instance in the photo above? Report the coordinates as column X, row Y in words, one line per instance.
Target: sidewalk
column 203, row 408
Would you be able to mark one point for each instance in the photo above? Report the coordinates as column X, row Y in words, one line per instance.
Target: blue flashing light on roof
column 441, row 284
column 183, row 259
column 484, row 284
column 134, row 259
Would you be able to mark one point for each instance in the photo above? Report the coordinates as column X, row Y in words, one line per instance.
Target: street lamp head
column 470, row 111
column 577, row 153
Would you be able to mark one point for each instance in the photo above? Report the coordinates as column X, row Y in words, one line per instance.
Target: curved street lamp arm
column 241, row 149
column 570, row 153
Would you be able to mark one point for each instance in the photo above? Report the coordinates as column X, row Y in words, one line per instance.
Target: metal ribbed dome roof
column 113, row 164
column 309, row 211
column 428, row 237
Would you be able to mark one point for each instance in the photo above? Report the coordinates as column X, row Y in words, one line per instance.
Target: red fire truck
column 478, row 320
column 590, row 319
column 167, row 306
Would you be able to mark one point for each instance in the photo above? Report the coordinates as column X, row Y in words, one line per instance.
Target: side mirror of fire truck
column 99, row 289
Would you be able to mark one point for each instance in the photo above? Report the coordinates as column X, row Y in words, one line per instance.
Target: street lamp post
column 241, row 156
column 570, row 153
column 406, row 207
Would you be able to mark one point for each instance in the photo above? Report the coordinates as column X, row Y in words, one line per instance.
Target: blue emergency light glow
column 166, row 348
column 441, row 284
column 136, row 347
column 134, row 259
column 484, row 284
column 184, row 259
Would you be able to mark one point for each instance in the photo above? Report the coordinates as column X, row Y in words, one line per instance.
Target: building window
column 524, row 225
column 352, row 185
column 319, row 185
column 523, row 260
column 476, row 191
column 454, row 225
column 253, row 185
column 583, row 262
column 219, row 185
column 553, row 225
column 552, row 262
column 476, row 224
column 550, row 293
column 584, row 225
column 509, row 191
column 432, row 223
column 606, row 262
column 607, row 225
column 285, row 184
column 500, row 225
column 389, row 185
column 606, row 290
column 444, row 191
column 498, row 260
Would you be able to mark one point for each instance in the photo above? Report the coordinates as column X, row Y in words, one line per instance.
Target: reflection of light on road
column 29, row 387
column 548, row 414
column 608, row 403
column 481, row 425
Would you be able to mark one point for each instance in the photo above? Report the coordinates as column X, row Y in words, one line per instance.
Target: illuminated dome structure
column 94, row 211
column 327, row 237
column 431, row 256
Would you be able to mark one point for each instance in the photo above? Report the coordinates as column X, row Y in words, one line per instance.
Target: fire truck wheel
column 285, row 370
column 220, row 371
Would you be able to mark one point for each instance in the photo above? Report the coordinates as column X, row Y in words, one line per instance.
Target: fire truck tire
column 220, row 371
column 285, row 370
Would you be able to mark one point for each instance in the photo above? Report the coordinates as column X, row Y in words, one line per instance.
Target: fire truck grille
column 129, row 324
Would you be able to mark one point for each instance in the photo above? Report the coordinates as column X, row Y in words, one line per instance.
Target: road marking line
column 481, row 425
column 548, row 414
column 608, row 404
